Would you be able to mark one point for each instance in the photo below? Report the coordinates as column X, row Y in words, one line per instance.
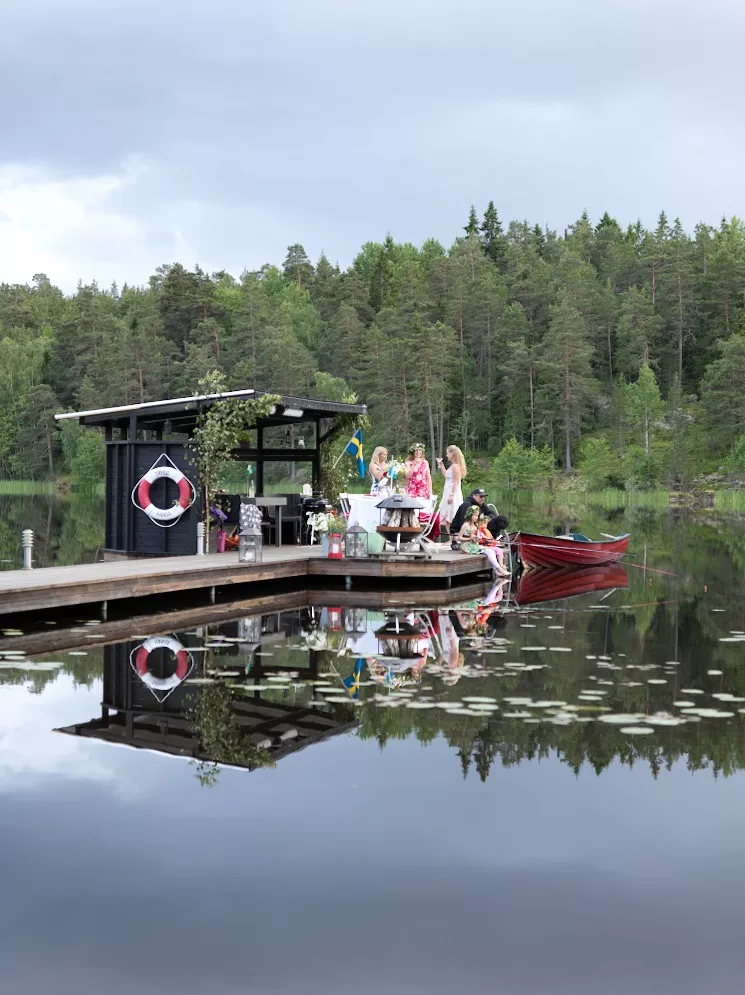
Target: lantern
column 335, row 547
column 250, row 545
column 249, row 629
column 334, row 616
column 355, row 542
column 355, row 621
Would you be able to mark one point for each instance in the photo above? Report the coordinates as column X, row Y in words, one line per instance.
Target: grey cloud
column 338, row 121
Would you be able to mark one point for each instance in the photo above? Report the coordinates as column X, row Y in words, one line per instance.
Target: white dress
column 447, row 511
column 381, row 488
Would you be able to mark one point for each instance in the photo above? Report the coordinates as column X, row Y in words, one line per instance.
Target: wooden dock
column 95, row 583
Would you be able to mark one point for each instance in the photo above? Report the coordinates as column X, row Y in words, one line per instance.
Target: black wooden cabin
column 288, row 440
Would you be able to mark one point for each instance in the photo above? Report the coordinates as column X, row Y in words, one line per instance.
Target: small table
column 273, row 502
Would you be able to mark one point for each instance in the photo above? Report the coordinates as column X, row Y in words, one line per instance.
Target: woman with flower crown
column 418, row 477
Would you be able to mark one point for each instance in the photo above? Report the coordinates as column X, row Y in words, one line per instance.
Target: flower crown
column 417, row 445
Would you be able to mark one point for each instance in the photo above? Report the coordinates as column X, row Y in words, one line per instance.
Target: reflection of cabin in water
column 281, row 453
column 133, row 715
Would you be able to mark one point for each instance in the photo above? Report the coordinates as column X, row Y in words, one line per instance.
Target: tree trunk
column 431, row 430
column 610, row 355
column 567, row 413
column 489, row 389
column 50, row 454
column 532, row 408
column 680, row 333
column 646, row 435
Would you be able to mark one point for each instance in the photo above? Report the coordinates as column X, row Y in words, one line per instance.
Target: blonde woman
column 379, row 467
column 452, row 494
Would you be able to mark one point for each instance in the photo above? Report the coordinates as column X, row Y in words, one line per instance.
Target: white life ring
column 142, row 666
column 185, row 494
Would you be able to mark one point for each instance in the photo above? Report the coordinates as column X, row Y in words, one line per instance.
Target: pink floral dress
column 418, row 485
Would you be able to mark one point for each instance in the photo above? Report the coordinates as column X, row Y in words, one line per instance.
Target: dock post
column 27, row 541
column 200, row 538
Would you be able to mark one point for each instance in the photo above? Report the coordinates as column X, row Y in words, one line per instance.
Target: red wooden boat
column 557, row 583
column 573, row 550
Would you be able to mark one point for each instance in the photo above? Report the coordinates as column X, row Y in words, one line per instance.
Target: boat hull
column 557, row 583
column 555, row 551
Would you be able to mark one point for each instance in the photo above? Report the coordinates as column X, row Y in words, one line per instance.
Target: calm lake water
column 526, row 796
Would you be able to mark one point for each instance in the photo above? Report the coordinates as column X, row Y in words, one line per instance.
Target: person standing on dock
column 452, row 494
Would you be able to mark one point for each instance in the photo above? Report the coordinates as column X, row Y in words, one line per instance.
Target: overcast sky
column 138, row 132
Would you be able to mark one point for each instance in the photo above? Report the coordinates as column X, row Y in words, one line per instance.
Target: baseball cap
column 480, row 491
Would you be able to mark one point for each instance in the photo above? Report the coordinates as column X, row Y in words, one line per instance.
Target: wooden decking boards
column 58, row 587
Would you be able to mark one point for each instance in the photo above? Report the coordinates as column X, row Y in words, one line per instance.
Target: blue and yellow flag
column 352, row 683
column 355, row 449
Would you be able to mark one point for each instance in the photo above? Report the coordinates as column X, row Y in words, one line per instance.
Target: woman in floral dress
column 418, row 477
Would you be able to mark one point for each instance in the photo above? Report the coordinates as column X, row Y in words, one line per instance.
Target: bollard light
column 27, row 541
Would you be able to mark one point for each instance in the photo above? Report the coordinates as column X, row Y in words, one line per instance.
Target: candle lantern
column 355, row 621
column 334, row 617
column 249, row 629
column 250, row 545
column 355, row 542
column 335, row 546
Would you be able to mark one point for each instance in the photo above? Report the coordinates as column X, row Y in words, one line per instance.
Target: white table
column 364, row 511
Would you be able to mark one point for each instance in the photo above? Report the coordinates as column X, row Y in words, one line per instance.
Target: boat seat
column 577, row 536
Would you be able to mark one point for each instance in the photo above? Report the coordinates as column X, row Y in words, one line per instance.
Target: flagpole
column 338, row 458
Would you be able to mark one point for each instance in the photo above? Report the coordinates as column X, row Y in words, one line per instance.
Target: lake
column 539, row 791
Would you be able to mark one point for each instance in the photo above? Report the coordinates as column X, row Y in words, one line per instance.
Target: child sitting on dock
column 473, row 538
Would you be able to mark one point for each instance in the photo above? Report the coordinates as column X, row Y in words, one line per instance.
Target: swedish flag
column 354, row 448
column 352, row 683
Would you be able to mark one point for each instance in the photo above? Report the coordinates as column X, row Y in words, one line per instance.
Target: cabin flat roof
column 153, row 411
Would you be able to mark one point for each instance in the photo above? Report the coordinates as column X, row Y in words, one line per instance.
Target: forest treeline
column 616, row 351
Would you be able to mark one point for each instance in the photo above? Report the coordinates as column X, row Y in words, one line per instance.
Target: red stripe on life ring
column 143, row 493
column 143, row 657
column 184, row 492
column 182, row 668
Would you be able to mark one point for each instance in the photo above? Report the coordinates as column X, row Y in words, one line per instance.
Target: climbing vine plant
column 220, row 429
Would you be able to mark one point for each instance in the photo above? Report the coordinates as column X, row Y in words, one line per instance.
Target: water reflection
column 554, row 665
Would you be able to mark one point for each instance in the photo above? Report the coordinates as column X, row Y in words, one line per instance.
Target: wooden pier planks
column 57, row 587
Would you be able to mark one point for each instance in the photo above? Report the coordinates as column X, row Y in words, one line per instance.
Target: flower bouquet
column 318, row 522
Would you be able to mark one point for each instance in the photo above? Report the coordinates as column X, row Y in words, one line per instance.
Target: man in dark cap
column 476, row 497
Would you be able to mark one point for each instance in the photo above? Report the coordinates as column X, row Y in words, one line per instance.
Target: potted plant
column 318, row 522
column 219, row 517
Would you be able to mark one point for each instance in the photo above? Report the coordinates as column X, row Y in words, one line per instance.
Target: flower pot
column 325, row 543
column 220, row 537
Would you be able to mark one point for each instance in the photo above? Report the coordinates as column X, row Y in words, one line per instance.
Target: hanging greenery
column 339, row 478
column 219, row 736
column 220, row 429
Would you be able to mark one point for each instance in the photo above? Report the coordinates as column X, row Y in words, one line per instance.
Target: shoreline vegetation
column 602, row 357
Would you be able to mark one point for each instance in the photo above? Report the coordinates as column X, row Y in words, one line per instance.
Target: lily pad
column 637, row 730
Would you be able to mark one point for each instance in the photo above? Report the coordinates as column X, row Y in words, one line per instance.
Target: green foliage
column 735, row 462
column 219, row 737
column 88, row 460
column 518, row 466
column 219, row 431
column 512, row 331
column 599, row 465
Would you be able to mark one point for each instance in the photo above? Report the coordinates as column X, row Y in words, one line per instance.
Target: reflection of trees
column 84, row 670
column 67, row 529
column 480, row 742
column 219, row 735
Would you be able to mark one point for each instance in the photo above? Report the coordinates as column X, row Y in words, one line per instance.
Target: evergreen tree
column 472, row 228
column 297, row 268
column 495, row 244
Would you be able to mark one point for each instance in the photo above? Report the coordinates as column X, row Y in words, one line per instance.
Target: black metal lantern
column 355, row 542
column 250, row 545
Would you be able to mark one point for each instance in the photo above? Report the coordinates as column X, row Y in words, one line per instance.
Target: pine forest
column 613, row 356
